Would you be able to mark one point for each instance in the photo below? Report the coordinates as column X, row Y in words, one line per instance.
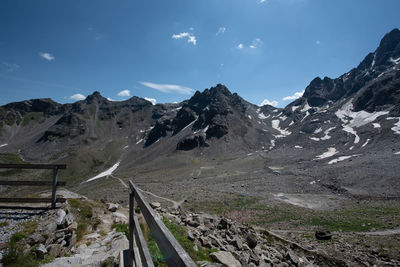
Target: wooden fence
column 139, row 254
column 54, row 183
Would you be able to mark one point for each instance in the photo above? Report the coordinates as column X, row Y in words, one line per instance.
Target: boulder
column 54, row 250
column 225, row 258
column 155, row 205
column 112, row 207
column 251, row 240
column 323, row 235
column 41, row 251
column 60, row 217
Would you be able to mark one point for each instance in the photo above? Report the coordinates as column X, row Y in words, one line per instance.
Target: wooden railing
column 139, row 254
column 54, row 183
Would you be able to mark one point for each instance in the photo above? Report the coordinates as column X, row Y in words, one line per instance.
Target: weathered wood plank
column 33, row 166
column 28, row 200
column 31, row 183
column 174, row 254
column 146, row 259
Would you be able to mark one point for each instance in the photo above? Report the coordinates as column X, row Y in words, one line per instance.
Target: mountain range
column 341, row 137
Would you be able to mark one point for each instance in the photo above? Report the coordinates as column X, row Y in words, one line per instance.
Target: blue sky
column 167, row 49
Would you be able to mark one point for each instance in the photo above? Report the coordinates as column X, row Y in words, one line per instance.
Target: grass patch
column 3, row 224
column 84, row 211
column 180, row 234
column 15, row 256
column 122, row 228
column 31, row 116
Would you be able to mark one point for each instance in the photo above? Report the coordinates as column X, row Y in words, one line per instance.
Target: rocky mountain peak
column 95, row 97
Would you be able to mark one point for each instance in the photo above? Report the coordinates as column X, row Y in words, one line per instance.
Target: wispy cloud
column 261, row 1
column 273, row 103
column 256, row 43
column 124, row 93
column 190, row 37
column 294, row 96
column 47, row 56
column 169, row 88
column 77, row 97
column 318, row 42
column 152, row 100
column 10, row 67
column 221, row 30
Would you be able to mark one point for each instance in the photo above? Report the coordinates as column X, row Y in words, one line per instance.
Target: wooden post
column 131, row 229
column 54, row 189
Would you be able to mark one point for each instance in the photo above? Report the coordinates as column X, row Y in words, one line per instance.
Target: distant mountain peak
column 95, row 97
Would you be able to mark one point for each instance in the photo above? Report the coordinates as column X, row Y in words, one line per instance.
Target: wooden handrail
column 54, row 183
column 172, row 251
column 33, row 166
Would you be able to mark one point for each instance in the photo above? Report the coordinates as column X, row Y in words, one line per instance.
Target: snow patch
column 299, row 147
column 141, row 140
column 331, row 151
column 376, row 125
column 3, row 145
column 397, row 153
column 125, row 147
column 396, row 127
column 294, row 108
column 325, row 137
column 352, row 119
column 290, row 124
column 306, row 107
column 318, row 130
column 275, row 125
column 395, row 61
column 249, row 117
column 262, row 116
column 366, row 143
column 105, row 173
column 272, row 144
column 342, row 158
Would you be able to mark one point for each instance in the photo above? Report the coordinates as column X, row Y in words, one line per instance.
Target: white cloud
column 110, row 99
column 47, row 56
column 267, row 102
column 77, row 97
column 190, row 37
column 239, row 46
column 256, row 43
column 169, row 88
column 221, row 30
column 124, row 93
column 318, row 42
column 10, row 67
column 180, row 35
column 152, row 100
column 294, row 96
column 261, row 1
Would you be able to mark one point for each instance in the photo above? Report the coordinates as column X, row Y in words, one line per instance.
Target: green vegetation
column 15, row 256
column 180, row 235
column 31, row 116
column 3, row 224
column 84, row 209
column 351, row 217
column 122, row 228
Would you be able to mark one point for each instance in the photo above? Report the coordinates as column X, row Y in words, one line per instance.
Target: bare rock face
column 192, row 142
column 225, row 258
